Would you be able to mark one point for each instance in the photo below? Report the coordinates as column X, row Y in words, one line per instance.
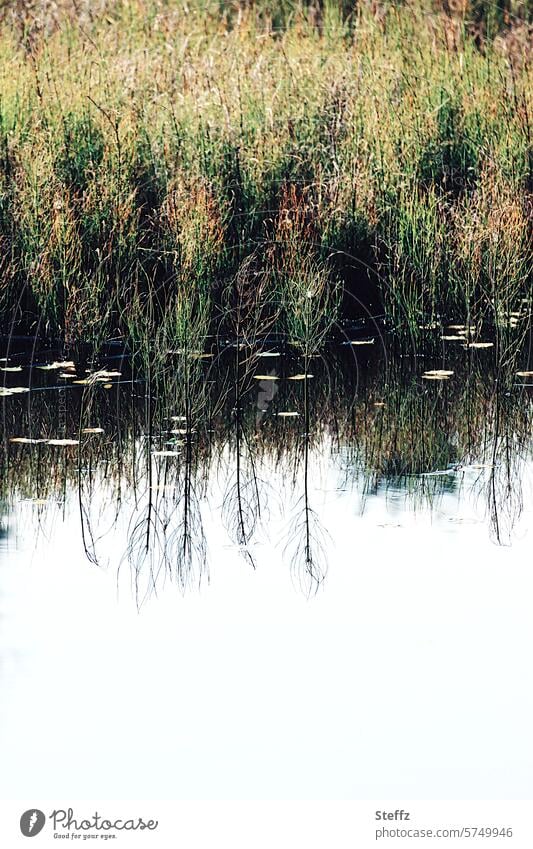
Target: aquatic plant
column 382, row 147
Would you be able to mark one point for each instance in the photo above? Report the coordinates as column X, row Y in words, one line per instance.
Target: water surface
column 201, row 598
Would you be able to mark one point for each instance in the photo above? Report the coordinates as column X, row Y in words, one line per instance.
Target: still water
column 202, row 598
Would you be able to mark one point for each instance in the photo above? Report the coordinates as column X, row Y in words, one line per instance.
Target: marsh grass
column 147, row 153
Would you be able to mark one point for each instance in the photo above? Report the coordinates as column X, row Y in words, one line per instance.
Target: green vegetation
column 153, row 151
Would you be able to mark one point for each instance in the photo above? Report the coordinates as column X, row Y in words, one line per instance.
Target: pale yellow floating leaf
column 67, row 375
column 26, row 440
column 103, row 374
column 11, row 368
column 453, row 338
column 266, row 377
column 479, row 345
column 13, row 390
column 62, row 441
column 182, row 431
column 362, row 342
column 435, row 377
column 438, row 372
column 178, row 418
column 92, row 379
column 108, row 386
column 524, row 373
column 93, row 430
column 300, row 376
column 379, row 403
column 57, row 365
column 198, row 355
column 288, row 414
column 269, row 354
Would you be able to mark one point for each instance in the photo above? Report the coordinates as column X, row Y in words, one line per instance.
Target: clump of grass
column 144, row 149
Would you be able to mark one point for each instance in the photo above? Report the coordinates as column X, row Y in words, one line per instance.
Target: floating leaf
column 57, row 365
column 269, row 354
column 479, row 345
column 300, row 376
column 25, row 440
column 102, row 374
column 362, row 341
column 379, row 403
column 10, row 368
column 453, row 338
column 288, row 414
column 266, row 377
column 438, row 372
column 524, row 373
column 62, row 441
column 13, row 390
column 197, row 355
column 93, row 430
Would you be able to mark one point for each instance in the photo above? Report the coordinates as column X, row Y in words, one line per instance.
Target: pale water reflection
column 202, row 596
column 404, row 675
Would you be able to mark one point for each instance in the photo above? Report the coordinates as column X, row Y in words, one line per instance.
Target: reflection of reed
column 163, row 440
column 507, row 448
column 305, row 543
column 249, row 311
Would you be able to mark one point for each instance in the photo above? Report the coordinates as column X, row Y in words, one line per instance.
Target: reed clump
column 149, row 148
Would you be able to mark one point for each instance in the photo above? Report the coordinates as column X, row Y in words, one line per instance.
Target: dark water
column 147, row 445
column 304, row 553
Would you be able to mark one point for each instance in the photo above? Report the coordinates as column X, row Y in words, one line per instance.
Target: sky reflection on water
column 349, row 627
